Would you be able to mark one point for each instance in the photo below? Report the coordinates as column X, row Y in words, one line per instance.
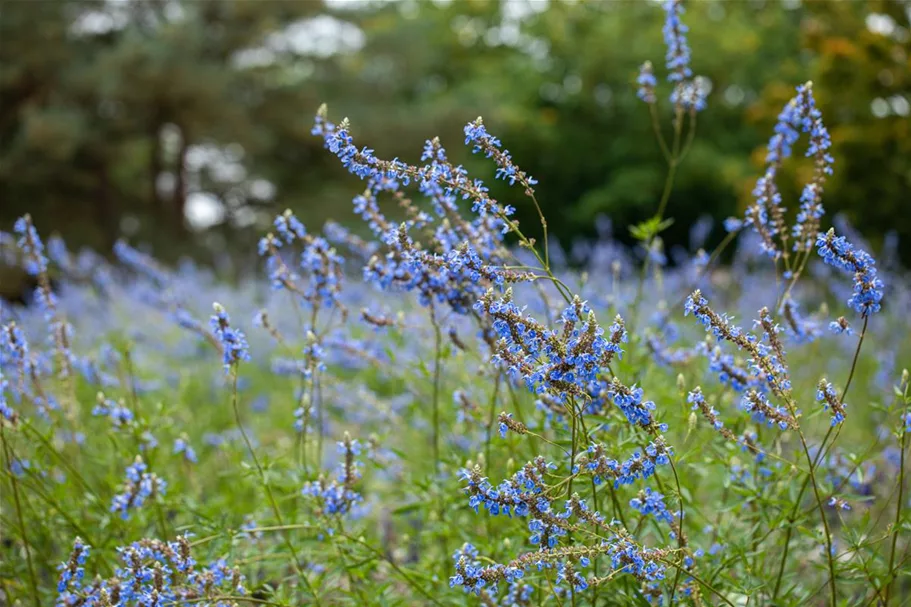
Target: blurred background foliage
column 185, row 124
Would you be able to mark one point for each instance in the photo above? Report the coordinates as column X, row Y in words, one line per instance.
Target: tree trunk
column 106, row 217
column 155, row 169
column 179, row 201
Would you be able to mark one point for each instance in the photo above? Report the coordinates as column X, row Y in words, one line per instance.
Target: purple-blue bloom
column 233, row 341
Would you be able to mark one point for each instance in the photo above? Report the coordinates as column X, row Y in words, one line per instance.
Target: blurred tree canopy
column 186, row 123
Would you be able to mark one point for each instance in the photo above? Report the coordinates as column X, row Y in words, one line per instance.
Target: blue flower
column 233, row 341
column 826, row 394
column 841, row 326
column 181, row 445
column 138, row 487
column 647, row 83
column 597, row 463
column 31, row 245
column 72, row 571
column 118, row 413
column 766, row 215
column 141, row 263
column 6, row 411
column 652, row 502
column 839, row 253
column 289, row 227
column 764, row 412
column 153, row 572
column 337, row 496
column 677, row 58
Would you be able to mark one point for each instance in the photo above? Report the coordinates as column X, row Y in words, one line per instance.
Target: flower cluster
column 453, row 260
column 697, row 399
column 647, row 83
column 505, row 423
column 72, row 571
column 629, row 401
column 119, row 414
column 338, row 495
column 767, row 214
column 319, row 260
column 6, row 411
column 60, row 332
column 29, row 367
column 600, row 466
column 524, row 495
column 652, row 502
column 729, row 371
column 476, row 133
column 802, row 330
column 766, row 354
column 762, row 411
column 677, row 58
column 139, row 487
column 31, row 246
column 841, row 326
column 689, row 93
column 560, row 364
column 152, row 573
column 183, row 447
column 233, row 342
column 520, row 495
column 826, row 394
column 868, row 288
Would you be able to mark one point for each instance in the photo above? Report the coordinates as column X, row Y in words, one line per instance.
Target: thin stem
column 690, row 137
column 33, row 579
column 701, row 582
column 354, row 585
column 672, row 160
column 819, row 455
column 437, row 378
column 437, row 371
column 572, row 459
column 262, row 476
column 39, row 492
column 218, row 600
column 491, row 421
column 395, row 566
column 860, row 342
column 825, row 523
column 899, row 505
column 680, row 536
column 320, row 420
column 653, row 113
column 543, row 227
column 793, row 517
column 63, row 460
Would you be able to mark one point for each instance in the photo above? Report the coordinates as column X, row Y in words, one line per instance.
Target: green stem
column 33, row 579
column 437, row 372
column 572, row 458
column 492, row 420
column 398, row 569
column 701, row 582
column 792, row 518
column 673, row 160
column 899, row 505
column 262, row 476
column 825, row 523
column 63, row 460
column 813, row 463
column 680, row 537
column 653, row 114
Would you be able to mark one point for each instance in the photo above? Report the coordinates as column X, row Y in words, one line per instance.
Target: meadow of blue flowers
column 449, row 412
